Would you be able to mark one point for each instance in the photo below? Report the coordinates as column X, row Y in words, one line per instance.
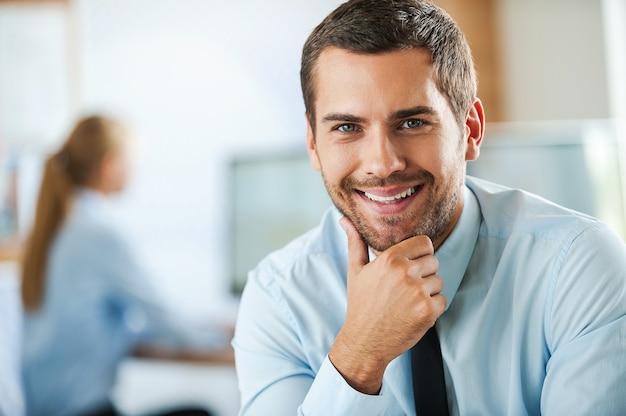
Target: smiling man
column 528, row 298
column 390, row 151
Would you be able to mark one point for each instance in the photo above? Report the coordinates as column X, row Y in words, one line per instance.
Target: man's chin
column 381, row 241
column 380, row 233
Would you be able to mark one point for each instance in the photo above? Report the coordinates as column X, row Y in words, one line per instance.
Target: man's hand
column 392, row 302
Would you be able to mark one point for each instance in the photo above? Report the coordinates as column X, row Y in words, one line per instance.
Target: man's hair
column 378, row 26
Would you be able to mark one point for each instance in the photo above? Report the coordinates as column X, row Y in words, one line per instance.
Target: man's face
column 390, row 150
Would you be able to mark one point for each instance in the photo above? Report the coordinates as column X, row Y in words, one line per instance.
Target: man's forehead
column 344, row 66
column 329, row 53
column 403, row 78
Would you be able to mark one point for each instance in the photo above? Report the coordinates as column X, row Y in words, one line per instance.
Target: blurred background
column 212, row 89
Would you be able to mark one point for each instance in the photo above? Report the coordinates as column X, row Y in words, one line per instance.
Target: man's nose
column 381, row 157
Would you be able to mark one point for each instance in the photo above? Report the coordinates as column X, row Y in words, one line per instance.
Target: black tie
column 429, row 386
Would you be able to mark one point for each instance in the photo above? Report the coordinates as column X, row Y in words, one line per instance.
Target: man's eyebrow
column 411, row 112
column 400, row 114
column 347, row 118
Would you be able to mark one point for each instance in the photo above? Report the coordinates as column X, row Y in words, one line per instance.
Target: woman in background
column 88, row 301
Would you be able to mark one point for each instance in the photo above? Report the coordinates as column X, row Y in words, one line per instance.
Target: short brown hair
column 377, row 26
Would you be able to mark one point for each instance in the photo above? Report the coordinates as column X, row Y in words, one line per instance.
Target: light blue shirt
column 11, row 399
column 535, row 324
column 99, row 303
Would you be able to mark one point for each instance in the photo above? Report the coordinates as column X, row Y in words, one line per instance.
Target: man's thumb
column 358, row 255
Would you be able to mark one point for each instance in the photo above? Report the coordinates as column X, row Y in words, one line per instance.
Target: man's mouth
column 392, row 198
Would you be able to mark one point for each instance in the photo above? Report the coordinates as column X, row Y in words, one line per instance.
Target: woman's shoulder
column 95, row 222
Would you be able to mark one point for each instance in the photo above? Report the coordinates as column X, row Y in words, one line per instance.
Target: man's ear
column 474, row 130
column 310, row 145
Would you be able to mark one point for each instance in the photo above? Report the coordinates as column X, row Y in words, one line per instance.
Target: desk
column 223, row 356
column 153, row 379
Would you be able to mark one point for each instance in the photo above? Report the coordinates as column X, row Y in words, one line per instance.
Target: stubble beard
column 433, row 220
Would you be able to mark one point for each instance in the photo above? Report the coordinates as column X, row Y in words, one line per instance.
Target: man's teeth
column 390, row 199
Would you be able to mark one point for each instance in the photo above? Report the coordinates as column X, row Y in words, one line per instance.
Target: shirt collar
column 455, row 252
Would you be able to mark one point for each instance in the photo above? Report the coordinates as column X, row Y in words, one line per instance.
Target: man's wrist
column 363, row 375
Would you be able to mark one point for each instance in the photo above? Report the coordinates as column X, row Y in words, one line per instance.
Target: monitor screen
column 275, row 198
column 577, row 164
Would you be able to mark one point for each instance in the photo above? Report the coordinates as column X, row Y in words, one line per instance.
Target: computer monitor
column 578, row 164
column 274, row 198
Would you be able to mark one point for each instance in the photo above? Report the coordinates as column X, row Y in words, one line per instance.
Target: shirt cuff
column 330, row 394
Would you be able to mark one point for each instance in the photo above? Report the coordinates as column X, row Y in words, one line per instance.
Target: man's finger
column 433, row 285
column 415, row 247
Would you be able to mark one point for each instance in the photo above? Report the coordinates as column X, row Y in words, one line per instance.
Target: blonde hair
column 74, row 165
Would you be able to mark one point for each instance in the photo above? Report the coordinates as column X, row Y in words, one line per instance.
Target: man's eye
column 347, row 128
column 412, row 124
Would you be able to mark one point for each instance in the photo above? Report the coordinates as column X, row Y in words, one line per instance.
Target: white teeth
column 390, row 199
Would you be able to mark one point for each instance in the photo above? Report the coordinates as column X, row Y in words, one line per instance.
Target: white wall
column 200, row 80
column 33, row 81
column 615, row 35
column 553, row 59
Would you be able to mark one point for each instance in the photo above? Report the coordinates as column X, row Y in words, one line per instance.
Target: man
column 529, row 298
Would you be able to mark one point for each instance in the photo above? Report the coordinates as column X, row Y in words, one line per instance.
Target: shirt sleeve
column 330, row 394
column 586, row 326
column 276, row 374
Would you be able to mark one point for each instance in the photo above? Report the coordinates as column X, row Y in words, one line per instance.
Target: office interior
column 212, row 89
